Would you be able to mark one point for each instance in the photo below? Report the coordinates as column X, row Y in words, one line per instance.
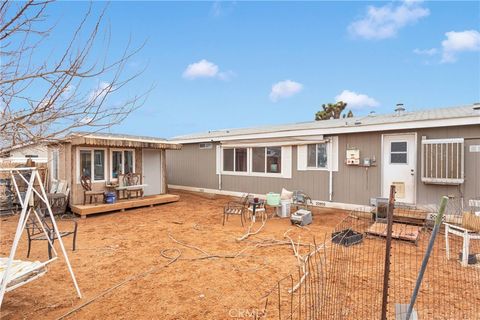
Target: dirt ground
column 114, row 247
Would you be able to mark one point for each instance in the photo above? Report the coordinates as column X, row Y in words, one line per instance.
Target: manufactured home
column 23, row 153
column 104, row 158
column 340, row 162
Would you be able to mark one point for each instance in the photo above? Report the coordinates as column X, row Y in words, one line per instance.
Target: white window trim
column 122, row 166
column 332, row 156
column 286, row 163
column 92, row 163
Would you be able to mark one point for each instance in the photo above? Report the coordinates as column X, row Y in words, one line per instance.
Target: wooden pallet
column 399, row 231
column 84, row 210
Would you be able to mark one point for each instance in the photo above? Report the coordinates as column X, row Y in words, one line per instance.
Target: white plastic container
column 286, row 205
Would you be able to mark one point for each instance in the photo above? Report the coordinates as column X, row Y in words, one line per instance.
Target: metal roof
column 363, row 123
column 119, row 140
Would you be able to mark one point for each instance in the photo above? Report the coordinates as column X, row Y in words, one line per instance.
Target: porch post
column 163, row 160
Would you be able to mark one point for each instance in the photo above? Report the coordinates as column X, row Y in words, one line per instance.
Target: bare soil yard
column 113, row 247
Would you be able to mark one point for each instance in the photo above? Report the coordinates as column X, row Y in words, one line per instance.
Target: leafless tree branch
column 72, row 88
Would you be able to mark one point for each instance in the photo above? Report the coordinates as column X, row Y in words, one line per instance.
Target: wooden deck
column 399, row 231
column 84, row 210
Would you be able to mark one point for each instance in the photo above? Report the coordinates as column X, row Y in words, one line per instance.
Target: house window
column 99, row 165
column 235, row 159
column 116, row 164
column 267, row 159
column 122, row 162
column 255, row 161
column 317, row 155
column 86, row 163
column 398, row 152
column 92, row 164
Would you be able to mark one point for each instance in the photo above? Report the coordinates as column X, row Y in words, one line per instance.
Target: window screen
column 398, row 152
column 240, row 159
column 116, row 163
column 86, row 163
column 128, row 165
column 322, row 155
column 99, row 167
column 312, row 155
column 258, row 159
column 274, row 159
column 228, row 159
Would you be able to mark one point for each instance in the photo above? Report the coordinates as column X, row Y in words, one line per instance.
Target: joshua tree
column 44, row 96
column 332, row 111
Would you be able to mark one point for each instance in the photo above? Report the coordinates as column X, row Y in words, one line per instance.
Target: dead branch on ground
column 249, row 230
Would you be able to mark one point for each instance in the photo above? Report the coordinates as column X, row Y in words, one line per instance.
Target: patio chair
column 131, row 182
column 260, row 209
column 236, row 208
column 301, row 200
column 35, row 231
column 87, row 190
column 469, row 230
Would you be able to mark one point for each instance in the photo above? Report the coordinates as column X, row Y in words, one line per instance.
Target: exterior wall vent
column 206, row 145
column 400, row 109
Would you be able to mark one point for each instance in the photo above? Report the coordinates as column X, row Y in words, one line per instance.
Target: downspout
column 330, row 171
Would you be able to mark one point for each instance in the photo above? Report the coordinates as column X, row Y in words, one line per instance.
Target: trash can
column 286, row 205
column 382, row 208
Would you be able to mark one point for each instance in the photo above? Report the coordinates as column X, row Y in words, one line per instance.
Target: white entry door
column 399, row 166
column 152, row 171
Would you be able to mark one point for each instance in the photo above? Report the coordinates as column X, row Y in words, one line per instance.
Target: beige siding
column 192, row 167
column 196, row 168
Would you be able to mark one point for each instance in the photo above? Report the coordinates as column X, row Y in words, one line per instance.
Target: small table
column 254, row 205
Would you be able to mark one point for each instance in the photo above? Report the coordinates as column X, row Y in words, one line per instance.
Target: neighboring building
column 425, row 153
column 104, row 156
column 20, row 154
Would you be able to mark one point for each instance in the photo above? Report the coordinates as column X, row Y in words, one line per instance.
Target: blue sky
column 223, row 65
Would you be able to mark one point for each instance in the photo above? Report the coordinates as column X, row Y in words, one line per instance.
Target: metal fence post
column 388, row 247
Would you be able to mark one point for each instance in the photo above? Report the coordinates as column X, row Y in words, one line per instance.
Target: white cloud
column 426, row 52
column 98, row 94
column 205, row 69
column 356, row 100
column 285, row 89
column 468, row 40
column 201, row 69
column 385, row 21
column 222, row 8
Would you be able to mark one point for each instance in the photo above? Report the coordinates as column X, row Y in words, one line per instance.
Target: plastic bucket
column 273, row 199
column 110, row 197
column 286, row 205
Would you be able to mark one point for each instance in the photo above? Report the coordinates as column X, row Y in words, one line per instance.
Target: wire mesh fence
column 342, row 277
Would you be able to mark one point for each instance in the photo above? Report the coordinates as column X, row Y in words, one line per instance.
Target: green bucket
column 273, row 199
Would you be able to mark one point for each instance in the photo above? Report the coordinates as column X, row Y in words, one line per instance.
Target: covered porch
column 121, row 205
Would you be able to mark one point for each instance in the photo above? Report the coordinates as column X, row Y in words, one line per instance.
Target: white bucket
column 285, row 212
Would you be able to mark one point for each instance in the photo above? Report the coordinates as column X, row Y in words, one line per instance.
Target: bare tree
column 70, row 88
